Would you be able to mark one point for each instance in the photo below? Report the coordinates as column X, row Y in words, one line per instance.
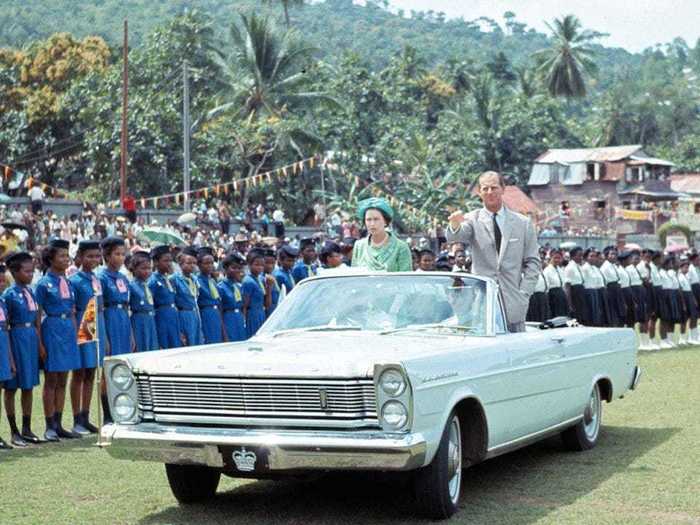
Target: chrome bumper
column 282, row 450
column 636, row 377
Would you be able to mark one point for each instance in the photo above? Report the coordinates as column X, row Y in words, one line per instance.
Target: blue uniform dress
column 167, row 324
column 284, row 278
column 143, row 316
column 209, row 301
column 232, row 306
column 302, row 271
column 86, row 285
column 275, row 296
column 115, row 289
column 186, row 292
column 5, row 369
column 22, row 309
column 254, row 291
column 58, row 333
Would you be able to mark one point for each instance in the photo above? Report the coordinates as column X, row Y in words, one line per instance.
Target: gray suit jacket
column 517, row 266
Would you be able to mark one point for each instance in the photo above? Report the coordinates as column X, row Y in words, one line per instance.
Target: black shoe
column 30, row 437
column 18, row 442
column 3, row 445
column 90, row 427
column 66, row 434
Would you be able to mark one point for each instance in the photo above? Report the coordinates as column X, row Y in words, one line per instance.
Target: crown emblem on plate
column 244, row 460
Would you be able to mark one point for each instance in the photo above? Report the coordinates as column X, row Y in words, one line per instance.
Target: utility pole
column 186, row 130
column 125, row 101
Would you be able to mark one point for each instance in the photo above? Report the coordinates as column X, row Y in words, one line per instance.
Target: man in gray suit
column 503, row 245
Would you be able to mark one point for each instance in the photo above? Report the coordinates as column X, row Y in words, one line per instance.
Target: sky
column 632, row 24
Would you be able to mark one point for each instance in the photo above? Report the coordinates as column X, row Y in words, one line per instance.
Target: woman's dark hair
column 47, row 255
column 107, row 250
column 575, row 251
column 253, row 255
column 387, row 219
column 137, row 260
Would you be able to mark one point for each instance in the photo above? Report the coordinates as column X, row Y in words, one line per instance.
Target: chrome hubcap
column 591, row 416
column 454, row 459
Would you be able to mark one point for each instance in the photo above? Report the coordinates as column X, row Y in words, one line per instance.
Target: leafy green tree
column 569, row 58
column 285, row 6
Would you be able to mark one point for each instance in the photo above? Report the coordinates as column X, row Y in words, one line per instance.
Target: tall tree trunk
column 286, row 13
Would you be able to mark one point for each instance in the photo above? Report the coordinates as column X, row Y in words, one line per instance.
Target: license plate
column 245, row 459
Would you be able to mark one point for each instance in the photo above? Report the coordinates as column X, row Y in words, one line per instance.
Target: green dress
column 394, row 256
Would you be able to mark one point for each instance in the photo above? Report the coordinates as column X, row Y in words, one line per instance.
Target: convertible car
column 411, row 372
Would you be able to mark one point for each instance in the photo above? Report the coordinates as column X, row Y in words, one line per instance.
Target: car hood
column 350, row 354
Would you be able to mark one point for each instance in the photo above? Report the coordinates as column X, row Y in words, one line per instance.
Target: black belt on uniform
column 162, row 307
column 214, row 306
column 60, row 316
column 185, row 309
column 144, row 312
column 237, row 310
column 116, row 305
column 21, row 325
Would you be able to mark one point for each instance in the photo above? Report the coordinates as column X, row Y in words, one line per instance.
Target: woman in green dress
column 381, row 250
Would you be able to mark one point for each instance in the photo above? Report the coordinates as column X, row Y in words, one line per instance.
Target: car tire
column 585, row 434
column 192, row 483
column 437, row 486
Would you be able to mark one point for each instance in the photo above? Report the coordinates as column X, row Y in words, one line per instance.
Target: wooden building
column 600, row 189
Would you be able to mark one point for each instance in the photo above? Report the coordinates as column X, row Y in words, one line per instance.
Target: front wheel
column 584, row 435
column 437, row 486
column 192, row 483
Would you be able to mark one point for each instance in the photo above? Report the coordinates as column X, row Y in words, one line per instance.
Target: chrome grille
column 340, row 399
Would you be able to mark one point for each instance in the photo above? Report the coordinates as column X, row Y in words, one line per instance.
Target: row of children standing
column 648, row 289
column 155, row 309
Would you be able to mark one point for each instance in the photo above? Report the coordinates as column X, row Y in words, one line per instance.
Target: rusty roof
column 608, row 154
column 686, row 183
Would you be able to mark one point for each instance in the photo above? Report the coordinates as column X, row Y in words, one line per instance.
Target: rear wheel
column 437, row 486
column 584, row 435
column 192, row 483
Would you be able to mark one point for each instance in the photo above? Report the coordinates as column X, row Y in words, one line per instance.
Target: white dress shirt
column 684, row 282
column 541, row 285
column 624, row 277
column 643, row 269
column 635, row 278
column 554, row 276
column 610, row 272
column 573, row 274
column 654, row 272
column 673, row 277
column 592, row 278
column 692, row 275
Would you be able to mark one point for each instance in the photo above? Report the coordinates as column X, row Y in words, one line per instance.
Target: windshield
column 384, row 303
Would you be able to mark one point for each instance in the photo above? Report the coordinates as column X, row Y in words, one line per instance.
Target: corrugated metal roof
column 636, row 161
column 686, row 183
column 567, row 156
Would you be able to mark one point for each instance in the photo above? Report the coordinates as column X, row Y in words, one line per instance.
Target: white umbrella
column 187, row 218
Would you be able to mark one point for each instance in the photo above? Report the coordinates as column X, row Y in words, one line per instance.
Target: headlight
column 122, row 377
column 392, row 383
column 124, row 407
column 394, row 414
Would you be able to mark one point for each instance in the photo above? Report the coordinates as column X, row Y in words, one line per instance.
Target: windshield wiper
column 320, row 328
column 420, row 327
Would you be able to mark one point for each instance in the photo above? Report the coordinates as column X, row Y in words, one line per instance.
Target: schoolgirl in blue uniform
column 167, row 324
column 86, row 285
column 7, row 364
column 58, row 338
column 257, row 296
column 186, row 294
column 143, row 315
column 306, row 267
column 269, row 263
column 115, row 289
column 23, row 321
column 209, row 299
column 286, row 257
column 232, row 297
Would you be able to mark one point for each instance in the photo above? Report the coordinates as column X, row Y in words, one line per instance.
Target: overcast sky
column 632, row 24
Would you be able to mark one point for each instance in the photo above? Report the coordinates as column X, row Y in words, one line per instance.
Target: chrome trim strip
column 285, row 449
column 528, row 439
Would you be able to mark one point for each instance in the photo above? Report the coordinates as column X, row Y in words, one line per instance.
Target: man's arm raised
column 459, row 228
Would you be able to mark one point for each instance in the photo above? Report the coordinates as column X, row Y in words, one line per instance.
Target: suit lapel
column 505, row 233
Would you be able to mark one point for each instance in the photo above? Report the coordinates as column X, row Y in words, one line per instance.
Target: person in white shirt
column 538, row 308
column 689, row 333
column 657, row 297
column 626, row 289
column 554, row 278
column 36, row 198
column 637, row 286
column 573, row 284
column 694, row 274
column 611, row 273
column 670, row 307
column 594, row 284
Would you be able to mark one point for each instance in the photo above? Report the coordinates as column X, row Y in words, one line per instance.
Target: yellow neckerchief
column 147, row 292
column 191, row 285
column 213, row 290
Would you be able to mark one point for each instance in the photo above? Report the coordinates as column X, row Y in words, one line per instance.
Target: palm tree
column 285, row 6
column 564, row 64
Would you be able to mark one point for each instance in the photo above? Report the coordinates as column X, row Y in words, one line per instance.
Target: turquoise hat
column 376, row 203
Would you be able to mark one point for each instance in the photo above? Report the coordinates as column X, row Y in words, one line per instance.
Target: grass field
column 645, row 470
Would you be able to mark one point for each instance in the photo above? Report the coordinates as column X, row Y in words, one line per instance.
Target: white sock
column 694, row 334
column 644, row 338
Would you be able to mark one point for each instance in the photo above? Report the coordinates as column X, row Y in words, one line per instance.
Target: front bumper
column 282, row 450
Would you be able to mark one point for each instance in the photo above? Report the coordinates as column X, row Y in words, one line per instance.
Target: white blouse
column 624, row 277
column 635, row 278
column 592, row 277
column 610, row 272
column 692, row 275
column 683, row 281
column 643, row 269
column 554, row 276
column 573, row 274
column 673, row 277
column 541, row 285
column 655, row 277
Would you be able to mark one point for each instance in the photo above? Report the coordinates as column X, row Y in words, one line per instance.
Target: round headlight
column 122, row 377
column 394, row 414
column 392, row 383
column 124, row 407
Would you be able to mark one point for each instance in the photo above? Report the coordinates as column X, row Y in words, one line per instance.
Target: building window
column 697, row 208
column 626, row 205
column 599, row 209
column 590, row 171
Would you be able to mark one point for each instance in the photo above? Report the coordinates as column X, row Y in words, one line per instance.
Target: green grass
column 645, row 470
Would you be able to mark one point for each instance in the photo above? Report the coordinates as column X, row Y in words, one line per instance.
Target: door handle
column 557, row 340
